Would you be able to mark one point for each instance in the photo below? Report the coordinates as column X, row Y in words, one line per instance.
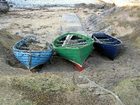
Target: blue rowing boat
column 107, row 45
column 31, row 58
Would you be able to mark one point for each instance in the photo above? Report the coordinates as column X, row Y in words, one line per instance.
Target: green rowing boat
column 73, row 47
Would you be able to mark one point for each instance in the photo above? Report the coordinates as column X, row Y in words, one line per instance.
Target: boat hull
column 31, row 59
column 108, row 50
column 76, row 55
column 111, row 48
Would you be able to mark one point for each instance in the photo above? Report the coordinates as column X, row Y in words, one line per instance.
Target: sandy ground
column 47, row 23
column 37, row 22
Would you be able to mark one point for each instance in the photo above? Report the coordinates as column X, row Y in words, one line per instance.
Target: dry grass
column 49, row 89
column 6, row 43
column 43, row 89
column 129, row 91
column 6, row 39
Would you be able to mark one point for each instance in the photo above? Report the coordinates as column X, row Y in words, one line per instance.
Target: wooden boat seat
column 75, row 41
column 73, row 45
column 105, row 39
column 79, row 40
column 114, row 42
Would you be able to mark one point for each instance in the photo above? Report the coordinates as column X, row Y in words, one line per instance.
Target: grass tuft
column 43, row 89
column 129, row 91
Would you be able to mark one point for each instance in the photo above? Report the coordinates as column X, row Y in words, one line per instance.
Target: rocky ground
column 122, row 75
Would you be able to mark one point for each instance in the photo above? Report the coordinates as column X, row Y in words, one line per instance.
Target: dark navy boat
column 107, row 45
column 31, row 58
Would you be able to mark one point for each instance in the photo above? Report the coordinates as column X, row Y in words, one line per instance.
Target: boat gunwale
column 73, row 47
column 76, row 47
column 99, row 42
column 30, row 51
